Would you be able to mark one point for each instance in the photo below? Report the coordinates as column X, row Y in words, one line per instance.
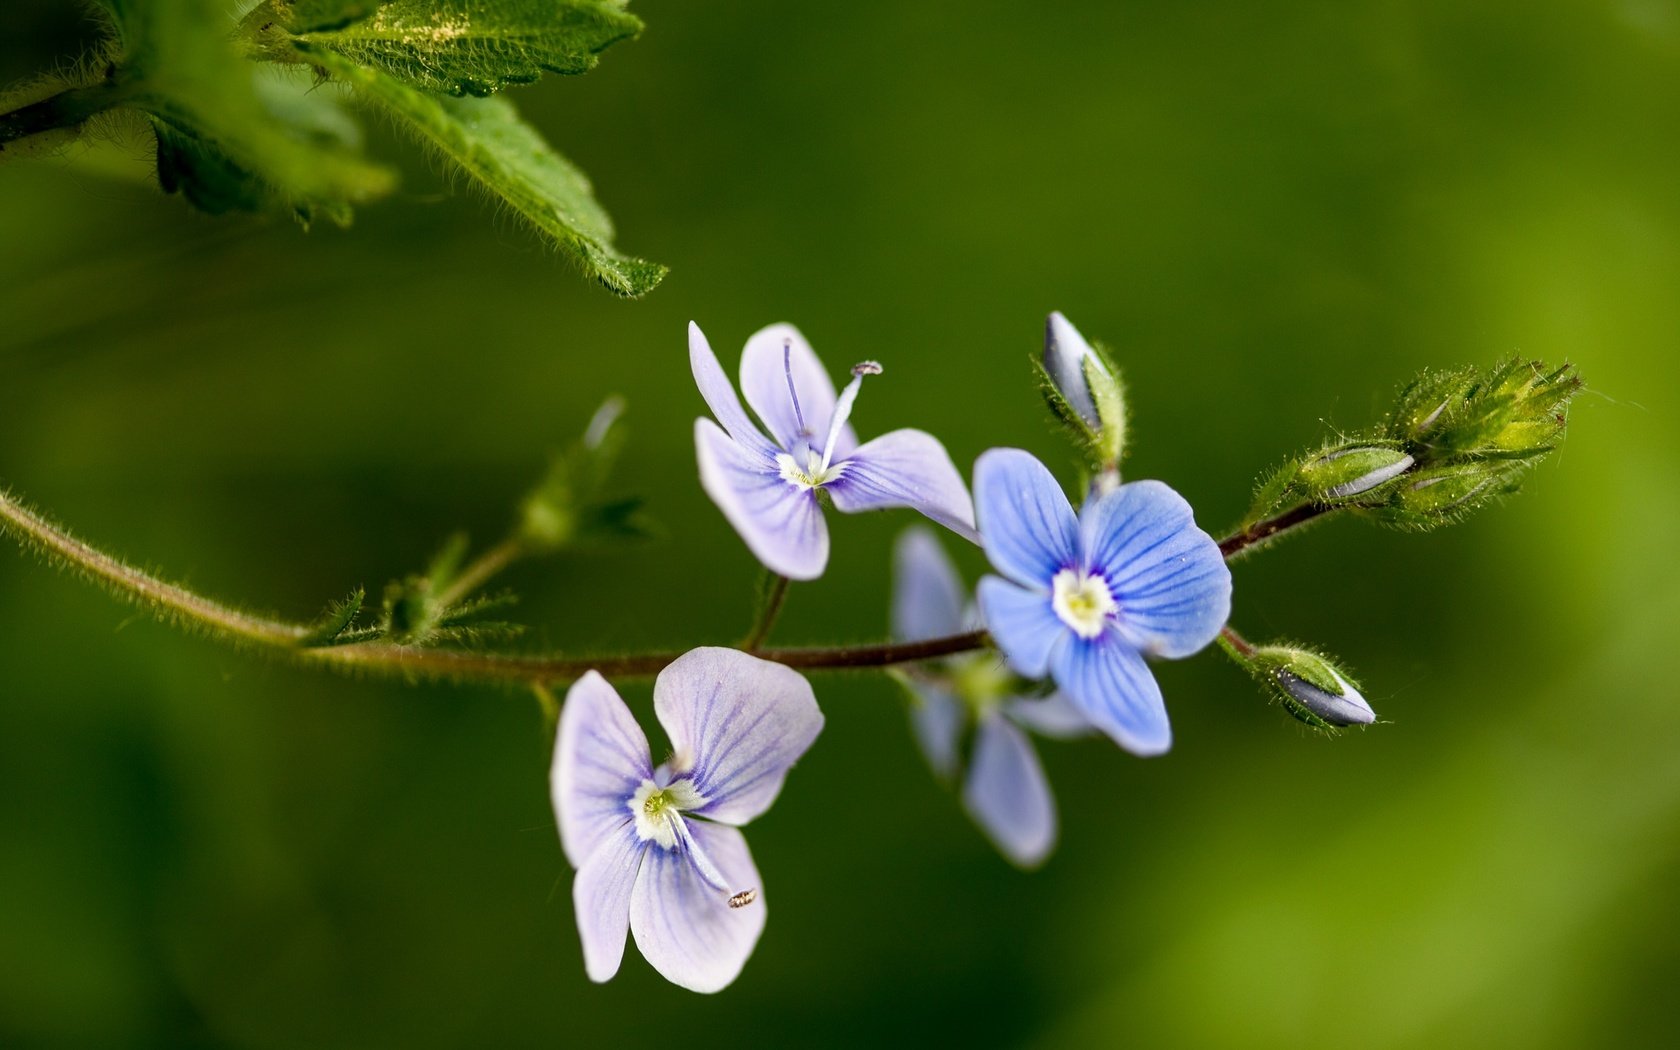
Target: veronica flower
column 656, row 848
column 1004, row 788
column 1084, row 599
column 768, row 487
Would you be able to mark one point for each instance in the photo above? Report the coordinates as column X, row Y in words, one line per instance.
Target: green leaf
column 470, row 47
column 314, row 16
column 234, row 135
column 487, row 140
column 338, row 619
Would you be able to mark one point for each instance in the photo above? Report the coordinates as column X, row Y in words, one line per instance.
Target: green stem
column 775, row 593
column 173, row 602
column 481, row 571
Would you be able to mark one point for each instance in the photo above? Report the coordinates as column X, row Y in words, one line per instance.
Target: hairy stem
column 1261, row 531
column 167, row 599
column 173, row 602
column 481, row 571
column 775, row 593
column 1235, row 643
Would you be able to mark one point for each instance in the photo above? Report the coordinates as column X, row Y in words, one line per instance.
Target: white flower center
column 657, row 810
column 1082, row 601
column 810, row 475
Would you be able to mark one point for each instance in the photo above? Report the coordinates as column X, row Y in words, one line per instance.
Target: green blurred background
column 1275, row 215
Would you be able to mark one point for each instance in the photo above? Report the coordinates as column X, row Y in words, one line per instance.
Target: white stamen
column 843, row 408
column 793, row 393
column 1082, row 601
column 658, row 810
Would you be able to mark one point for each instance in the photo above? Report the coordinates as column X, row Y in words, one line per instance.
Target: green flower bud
column 1308, row 685
column 1083, row 389
column 567, row 507
column 1444, row 494
column 1516, row 408
column 1354, row 470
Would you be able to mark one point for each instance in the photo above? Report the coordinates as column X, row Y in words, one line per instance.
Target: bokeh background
column 1274, row 213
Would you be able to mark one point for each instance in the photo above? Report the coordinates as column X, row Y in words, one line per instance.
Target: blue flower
column 656, row 848
column 1084, row 599
column 1004, row 789
column 768, row 488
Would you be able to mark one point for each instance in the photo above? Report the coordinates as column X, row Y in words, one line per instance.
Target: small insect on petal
column 742, row 899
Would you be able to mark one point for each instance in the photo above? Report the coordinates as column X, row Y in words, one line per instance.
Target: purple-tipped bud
column 1084, row 391
column 1065, row 355
column 1343, row 708
column 1309, row 686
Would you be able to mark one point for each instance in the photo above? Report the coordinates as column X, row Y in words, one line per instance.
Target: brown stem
column 1261, row 531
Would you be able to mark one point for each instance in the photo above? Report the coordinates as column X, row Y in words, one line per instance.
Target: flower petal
column 781, row 523
column 905, row 468
column 600, row 758
column 1054, row 717
column 736, row 723
column 1026, row 523
column 1022, row 623
column 937, row 720
column 927, row 594
column 601, row 899
column 684, row 927
column 772, row 354
column 1171, row 582
column 1112, row 686
column 720, row 396
column 1007, row 794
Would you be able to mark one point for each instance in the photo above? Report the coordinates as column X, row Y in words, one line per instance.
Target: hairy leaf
column 471, row 47
column 312, row 16
column 486, row 138
column 338, row 619
column 233, row 135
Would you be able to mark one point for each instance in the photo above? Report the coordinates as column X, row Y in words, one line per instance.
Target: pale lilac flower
column 656, row 848
column 1004, row 787
column 768, row 487
column 1084, row 599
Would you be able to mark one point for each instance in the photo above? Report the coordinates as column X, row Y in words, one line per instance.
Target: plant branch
column 172, row 602
column 481, row 571
column 1261, row 531
column 775, row 593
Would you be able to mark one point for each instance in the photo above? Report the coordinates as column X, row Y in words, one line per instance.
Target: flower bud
column 1309, row 686
column 1352, row 470
column 569, row 506
column 1084, row 390
column 1340, row 706
column 1446, row 493
column 1516, row 408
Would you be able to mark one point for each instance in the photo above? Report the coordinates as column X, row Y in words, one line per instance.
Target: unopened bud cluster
column 1474, row 434
column 1454, row 441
